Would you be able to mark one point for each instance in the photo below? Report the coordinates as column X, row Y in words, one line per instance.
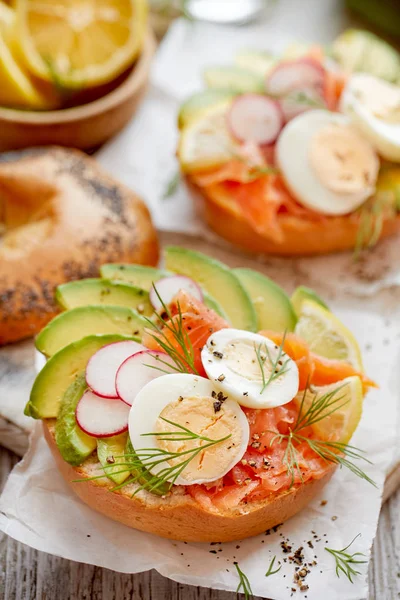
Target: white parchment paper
column 38, row 508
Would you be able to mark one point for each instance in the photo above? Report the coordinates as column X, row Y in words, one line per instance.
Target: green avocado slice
column 61, row 370
column 111, row 453
column 273, row 307
column 82, row 321
column 138, row 275
column 75, row 445
column 218, row 280
column 101, row 291
column 302, row 293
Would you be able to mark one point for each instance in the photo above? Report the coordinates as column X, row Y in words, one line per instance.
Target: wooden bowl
column 86, row 126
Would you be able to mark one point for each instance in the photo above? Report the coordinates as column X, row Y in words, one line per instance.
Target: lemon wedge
column 206, row 142
column 343, row 416
column 326, row 335
column 80, row 43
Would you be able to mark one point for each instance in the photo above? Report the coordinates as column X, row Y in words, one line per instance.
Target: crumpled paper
column 38, row 508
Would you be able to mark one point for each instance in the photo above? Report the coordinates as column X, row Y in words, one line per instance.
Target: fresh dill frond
column 172, row 185
column 302, row 98
column 244, row 584
column 151, row 458
column 256, row 172
column 345, row 561
column 330, row 451
column 271, row 570
column 183, row 358
column 278, row 366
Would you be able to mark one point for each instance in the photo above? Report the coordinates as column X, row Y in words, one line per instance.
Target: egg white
column 292, row 156
column 241, row 386
column 384, row 136
column 156, row 395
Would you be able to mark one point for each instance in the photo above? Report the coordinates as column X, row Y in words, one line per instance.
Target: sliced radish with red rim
column 302, row 74
column 255, row 118
column 167, row 288
column 138, row 370
column 101, row 417
column 103, row 366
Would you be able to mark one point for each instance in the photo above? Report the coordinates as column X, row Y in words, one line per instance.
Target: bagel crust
column 64, row 217
column 300, row 237
column 179, row 516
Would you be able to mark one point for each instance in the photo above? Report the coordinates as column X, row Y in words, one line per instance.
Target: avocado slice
column 111, row 451
column 197, row 104
column 218, row 280
column 234, row 79
column 142, row 475
column 138, row 275
column 358, row 50
column 144, row 277
column 257, row 61
column 211, row 302
column 82, row 321
column 273, row 307
column 101, row 291
column 74, row 444
column 60, row 371
column 302, row 293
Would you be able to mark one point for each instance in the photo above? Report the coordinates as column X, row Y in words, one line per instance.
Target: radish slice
column 255, row 118
column 301, row 74
column 101, row 417
column 299, row 101
column 138, row 370
column 168, row 287
column 103, row 366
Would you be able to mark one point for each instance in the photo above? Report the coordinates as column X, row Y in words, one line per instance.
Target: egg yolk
column 210, row 417
column 343, row 160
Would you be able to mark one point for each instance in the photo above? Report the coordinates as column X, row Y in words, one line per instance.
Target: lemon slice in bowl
column 16, row 89
column 340, row 419
column 326, row 335
column 6, row 16
column 79, row 43
column 206, row 142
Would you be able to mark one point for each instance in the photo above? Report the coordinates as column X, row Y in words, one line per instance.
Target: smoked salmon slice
column 196, row 323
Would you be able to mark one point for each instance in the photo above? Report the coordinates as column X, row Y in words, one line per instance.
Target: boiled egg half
column 326, row 163
column 250, row 368
column 171, row 405
column 373, row 105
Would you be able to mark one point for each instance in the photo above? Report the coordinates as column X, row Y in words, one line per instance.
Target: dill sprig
column 330, row 451
column 271, row 567
column 172, row 185
column 183, row 361
column 151, row 458
column 244, row 584
column 278, row 366
column 302, row 98
column 345, row 561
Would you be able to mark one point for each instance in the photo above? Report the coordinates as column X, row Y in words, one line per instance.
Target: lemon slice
column 80, row 43
column 326, row 335
column 6, row 16
column 206, row 142
column 340, row 424
column 16, row 89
